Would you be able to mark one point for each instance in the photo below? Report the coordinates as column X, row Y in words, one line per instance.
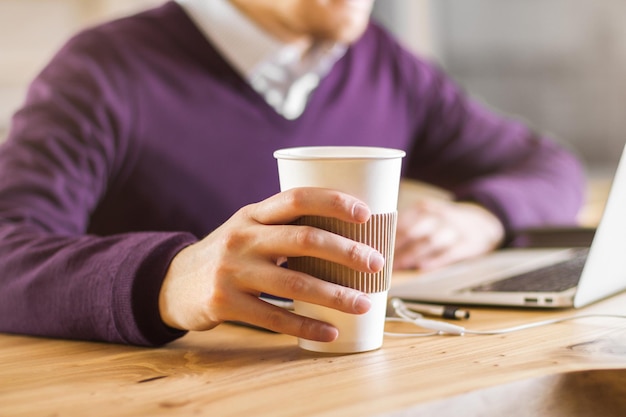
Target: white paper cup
column 372, row 175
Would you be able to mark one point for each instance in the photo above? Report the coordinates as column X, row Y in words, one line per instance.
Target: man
column 139, row 197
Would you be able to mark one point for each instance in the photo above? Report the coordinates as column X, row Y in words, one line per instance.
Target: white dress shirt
column 285, row 75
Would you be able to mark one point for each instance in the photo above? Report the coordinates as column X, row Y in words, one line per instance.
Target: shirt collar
column 275, row 69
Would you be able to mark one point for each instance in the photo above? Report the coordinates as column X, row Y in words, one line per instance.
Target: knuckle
column 300, row 199
column 224, row 270
column 218, row 297
column 295, row 284
column 338, row 298
column 338, row 201
column 295, row 198
column 233, row 239
column 308, row 237
column 355, row 252
column 216, row 305
column 247, row 213
column 274, row 319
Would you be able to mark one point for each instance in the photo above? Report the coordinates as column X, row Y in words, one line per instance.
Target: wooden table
column 238, row 371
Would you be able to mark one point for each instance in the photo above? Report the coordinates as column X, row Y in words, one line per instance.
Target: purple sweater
column 139, row 139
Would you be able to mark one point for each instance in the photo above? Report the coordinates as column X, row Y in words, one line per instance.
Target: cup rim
column 338, row 152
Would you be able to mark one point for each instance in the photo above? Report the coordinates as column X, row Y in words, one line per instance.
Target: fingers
column 416, row 223
column 422, row 235
column 291, row 284
column 280, row 320
column 435, row 233
column 429, row 251
column 296, row 285
column 220, row 277
column 287, row 206
column 295, row 241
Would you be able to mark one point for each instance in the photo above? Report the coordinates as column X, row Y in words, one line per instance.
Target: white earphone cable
column 405, row 315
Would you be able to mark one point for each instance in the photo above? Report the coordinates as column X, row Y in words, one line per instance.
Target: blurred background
column 560, row 65
column 32, row 30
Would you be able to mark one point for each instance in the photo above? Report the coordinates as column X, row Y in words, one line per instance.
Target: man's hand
column 434, row 233
column 221, row 277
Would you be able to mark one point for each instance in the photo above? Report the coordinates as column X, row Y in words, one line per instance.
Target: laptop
column 536, row 277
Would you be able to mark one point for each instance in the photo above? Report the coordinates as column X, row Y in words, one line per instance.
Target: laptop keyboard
column 553, row 278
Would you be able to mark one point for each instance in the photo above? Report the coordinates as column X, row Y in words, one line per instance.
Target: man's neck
column 267, row 16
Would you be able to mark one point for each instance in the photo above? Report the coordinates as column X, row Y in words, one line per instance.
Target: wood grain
column 237, row 371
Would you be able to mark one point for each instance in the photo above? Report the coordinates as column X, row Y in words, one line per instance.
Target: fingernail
column 362, row 304
column 376, row 261
column 361, row 212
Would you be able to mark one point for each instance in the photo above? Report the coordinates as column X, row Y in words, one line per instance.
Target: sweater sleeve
column 65, row 147
column 85, row 287
column 524, row 178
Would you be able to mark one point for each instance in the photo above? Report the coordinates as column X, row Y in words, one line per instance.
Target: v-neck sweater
column 138, row 139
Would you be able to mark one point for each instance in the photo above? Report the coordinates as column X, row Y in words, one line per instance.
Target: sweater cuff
column 136, row 312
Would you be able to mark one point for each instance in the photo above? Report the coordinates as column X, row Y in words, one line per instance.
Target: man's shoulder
column 146, row 22
column 380, row 41
column 376, row 35
column 385, row 52
column 133, row 34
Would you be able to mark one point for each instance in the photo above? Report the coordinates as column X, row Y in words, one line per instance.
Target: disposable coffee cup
column 372, row 175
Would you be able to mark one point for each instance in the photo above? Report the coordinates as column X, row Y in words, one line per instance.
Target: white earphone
column 406, row 314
